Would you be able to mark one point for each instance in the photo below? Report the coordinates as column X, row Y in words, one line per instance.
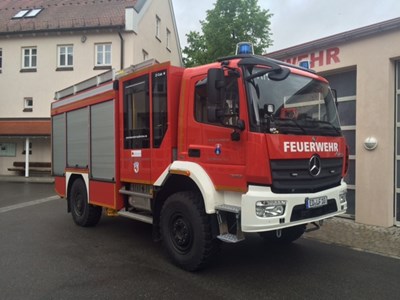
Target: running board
column 135, row 216
column 123, row 191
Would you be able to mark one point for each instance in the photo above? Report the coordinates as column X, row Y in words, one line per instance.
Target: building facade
column 46, row 46
column 363, row 66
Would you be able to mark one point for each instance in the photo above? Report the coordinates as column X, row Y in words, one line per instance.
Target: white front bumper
column 252, row 223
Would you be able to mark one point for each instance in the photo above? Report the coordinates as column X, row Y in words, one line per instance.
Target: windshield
column 295, row 105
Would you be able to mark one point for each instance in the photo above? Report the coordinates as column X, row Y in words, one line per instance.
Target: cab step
column 229, row 238
column 225, row 214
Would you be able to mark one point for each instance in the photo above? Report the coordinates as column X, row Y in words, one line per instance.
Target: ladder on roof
column 101, row 78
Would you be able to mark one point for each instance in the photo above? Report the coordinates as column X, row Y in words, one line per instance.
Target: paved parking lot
column 44, row 255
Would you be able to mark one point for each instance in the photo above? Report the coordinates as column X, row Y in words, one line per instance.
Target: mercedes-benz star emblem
column 314, row 165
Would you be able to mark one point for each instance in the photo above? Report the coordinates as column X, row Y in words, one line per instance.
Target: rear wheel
column 186, row 231
column 285, row 236
column 83, row 213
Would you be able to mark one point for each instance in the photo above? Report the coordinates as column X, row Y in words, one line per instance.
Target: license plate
column 316, row 202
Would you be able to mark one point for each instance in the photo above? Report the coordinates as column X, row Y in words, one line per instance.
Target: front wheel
column 83, row 213
column 186, row 231
column 285, row 236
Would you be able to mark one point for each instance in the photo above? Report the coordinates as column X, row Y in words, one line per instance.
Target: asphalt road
column 43, row 255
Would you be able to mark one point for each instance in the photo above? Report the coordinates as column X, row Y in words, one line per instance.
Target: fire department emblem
column 136, row 167
column 217, row 149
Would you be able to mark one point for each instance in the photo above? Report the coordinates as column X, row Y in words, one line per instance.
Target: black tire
column 83, row 213
column 288, row 235
column 186, row 231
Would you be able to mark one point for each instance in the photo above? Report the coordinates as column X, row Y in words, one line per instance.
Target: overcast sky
column 297, row 21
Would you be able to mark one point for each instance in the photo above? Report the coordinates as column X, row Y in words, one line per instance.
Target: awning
column 25, row 127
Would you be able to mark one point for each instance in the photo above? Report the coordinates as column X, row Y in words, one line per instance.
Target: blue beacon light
column 244, row 48
column 305, row 64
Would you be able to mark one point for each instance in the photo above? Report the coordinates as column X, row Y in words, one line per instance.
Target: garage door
column 345, row 85
column 397, row 136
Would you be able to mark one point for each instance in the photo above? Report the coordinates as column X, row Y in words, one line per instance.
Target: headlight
column 270, row 208
column 343, row 201
column 342, row 197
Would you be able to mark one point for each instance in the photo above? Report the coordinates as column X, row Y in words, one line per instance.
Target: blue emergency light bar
column 244, row 48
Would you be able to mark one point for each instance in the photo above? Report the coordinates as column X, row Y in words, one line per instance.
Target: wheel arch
column 70, row 179
column 184, row 176
column 181, row 176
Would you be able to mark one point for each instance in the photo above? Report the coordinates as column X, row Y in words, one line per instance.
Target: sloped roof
column 64, row 14
column 344, row 37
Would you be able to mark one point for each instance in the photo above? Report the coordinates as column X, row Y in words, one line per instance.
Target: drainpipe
column 27, row 157
column 122, row 50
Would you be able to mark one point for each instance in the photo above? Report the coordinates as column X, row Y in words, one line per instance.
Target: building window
column 103, row 55
column 29, row 58
column 27, row 13
column 28, row 104
column 168, row 39
column 65, row 56
column 8, row 149
column 20, row 14
column 145, row 55
column 33, row 13
column 158, row 28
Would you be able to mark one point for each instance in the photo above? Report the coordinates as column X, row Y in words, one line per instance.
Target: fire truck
column 206, row 154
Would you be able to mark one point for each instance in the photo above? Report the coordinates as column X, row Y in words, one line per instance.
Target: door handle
column 194, row 152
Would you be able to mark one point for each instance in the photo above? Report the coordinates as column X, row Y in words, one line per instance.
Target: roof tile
column 63, row 14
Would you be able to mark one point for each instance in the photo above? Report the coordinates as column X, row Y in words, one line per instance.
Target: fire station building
column 363, row 66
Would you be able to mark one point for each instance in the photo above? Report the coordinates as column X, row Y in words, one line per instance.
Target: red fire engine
column 246, row 144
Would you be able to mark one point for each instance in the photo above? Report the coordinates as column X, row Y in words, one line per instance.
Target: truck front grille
column 293, row 176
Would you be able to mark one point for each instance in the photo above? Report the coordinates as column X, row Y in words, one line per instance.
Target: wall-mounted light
column 370, row 143
column 83, row 38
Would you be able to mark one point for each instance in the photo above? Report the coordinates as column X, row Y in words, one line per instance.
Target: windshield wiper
column 276, row 74
column 294, row 122
column 330, row 125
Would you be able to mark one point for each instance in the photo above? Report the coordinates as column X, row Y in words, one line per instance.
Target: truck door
column 136, row 157
column 215, row 140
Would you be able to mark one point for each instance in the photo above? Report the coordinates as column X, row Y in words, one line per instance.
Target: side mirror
column 215, row 86
column 240, row 126
column 269, row 109
column 279, row 74
column 214, row 114
column 334, row 93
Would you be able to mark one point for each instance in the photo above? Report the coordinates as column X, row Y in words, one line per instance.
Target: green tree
column 230, row 22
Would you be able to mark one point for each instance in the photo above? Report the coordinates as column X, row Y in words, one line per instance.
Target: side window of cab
column 225, row 111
